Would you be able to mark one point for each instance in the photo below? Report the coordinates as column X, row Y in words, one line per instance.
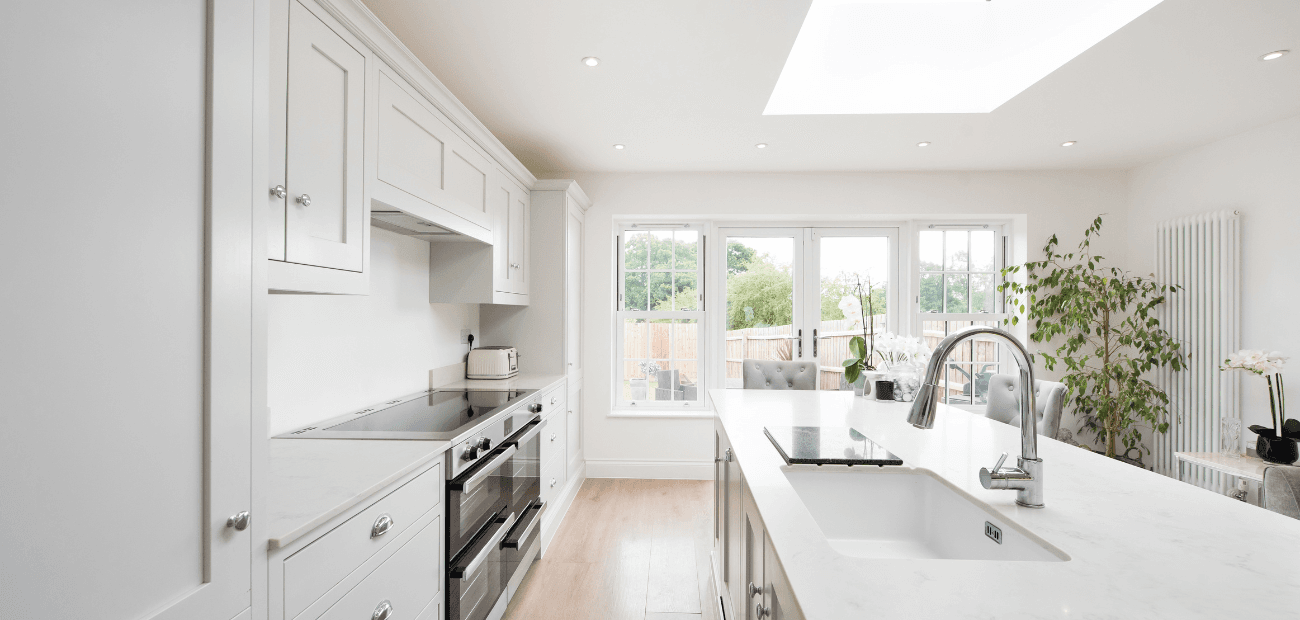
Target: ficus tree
column 1103, row 320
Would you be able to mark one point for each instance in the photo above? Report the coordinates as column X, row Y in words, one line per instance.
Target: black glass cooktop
column 432, row 415
column 827, row 445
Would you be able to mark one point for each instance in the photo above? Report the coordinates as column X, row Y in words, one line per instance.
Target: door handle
column 800, row 339
column 491, row 546
column 814, row 344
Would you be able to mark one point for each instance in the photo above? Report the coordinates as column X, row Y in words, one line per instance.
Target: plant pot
column 1280, row 450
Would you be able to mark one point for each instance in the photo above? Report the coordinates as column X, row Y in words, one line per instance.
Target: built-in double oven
column 493, row 514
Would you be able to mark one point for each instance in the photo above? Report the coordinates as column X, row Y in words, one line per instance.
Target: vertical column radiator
column 1200, row 254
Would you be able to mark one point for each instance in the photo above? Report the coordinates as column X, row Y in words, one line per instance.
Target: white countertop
column 314, row 480
column 1141, row 545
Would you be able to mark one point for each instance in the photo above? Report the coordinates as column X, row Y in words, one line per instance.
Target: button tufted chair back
column 1282, row 490
column 1004, row 403
column 779, row 375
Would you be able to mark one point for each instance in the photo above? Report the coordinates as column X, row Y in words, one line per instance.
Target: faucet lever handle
column 1002, row 459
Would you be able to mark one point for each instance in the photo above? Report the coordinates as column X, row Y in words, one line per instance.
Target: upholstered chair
column 779, row 375
column 1004, row 403
column 1282, row 490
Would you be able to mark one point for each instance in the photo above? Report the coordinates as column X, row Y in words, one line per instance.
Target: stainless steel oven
column 493, row 513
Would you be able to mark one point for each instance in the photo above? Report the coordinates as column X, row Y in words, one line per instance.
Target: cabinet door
column 325, row 220
column 735, row 529
column 778, row 599
column 575, row 432
column 517, row 248
column 467, row 175
column 573, row 293
column 754, row 545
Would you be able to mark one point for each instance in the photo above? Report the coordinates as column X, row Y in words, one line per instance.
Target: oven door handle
column 513, row 542
column 492, row 546
column 482, row 471
column 532, row 429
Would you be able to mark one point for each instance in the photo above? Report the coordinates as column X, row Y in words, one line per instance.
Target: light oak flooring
column 628, row 550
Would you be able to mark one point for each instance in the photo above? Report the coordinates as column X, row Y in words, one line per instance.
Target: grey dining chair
column 1282, row 490
column 1004, row 403
column 779, row 375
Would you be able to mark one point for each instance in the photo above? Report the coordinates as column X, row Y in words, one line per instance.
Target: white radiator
column 1201, row 254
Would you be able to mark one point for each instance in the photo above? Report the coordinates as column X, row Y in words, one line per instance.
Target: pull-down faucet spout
column 1027, row 477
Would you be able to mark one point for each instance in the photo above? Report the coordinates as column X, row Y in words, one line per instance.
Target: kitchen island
column 1129, row 543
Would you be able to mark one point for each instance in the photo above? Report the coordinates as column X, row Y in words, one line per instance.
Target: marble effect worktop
column 1141, row 545
column 311, row 481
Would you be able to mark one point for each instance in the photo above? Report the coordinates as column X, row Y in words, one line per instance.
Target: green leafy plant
column 862, row 352
column 1109, row 338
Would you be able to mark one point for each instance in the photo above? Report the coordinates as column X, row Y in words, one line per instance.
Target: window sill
column 679, row 414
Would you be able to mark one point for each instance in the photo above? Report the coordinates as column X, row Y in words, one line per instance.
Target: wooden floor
column 628, row 550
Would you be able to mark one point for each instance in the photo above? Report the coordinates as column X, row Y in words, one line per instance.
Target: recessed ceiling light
column 1068, row 143
column 618, row 146
column 591, row 61
column 1275, row 55
column 923, row 144
column 761, row 145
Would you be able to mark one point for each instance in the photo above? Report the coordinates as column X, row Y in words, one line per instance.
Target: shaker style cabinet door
column 573, row 294
column 325, row 219
column 518, row 244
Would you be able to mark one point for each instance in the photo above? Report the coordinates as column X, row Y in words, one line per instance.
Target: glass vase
column 1230, row 436
column 907, row 381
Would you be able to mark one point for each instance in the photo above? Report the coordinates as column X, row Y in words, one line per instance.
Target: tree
column 739, row 256
column 760, row 296
column 836, row 288
column 1111, row 338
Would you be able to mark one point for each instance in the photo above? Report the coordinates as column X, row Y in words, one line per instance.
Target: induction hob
column 434, row 414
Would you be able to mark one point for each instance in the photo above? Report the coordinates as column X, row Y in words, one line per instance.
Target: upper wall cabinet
column 319, row 222
column 433, row 168
column 496, row 274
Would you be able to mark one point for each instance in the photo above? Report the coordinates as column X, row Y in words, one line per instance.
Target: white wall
column 1054, row 202
column 1257, row 173
column 332, row 354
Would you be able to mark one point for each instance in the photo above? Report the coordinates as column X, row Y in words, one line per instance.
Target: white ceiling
column 683, row 84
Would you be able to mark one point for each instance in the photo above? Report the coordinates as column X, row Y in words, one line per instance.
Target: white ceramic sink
column 888, row 513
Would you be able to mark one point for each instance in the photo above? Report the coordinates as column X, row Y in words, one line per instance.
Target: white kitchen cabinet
column 574, row 429
column 318, row 220
column 422, row 165
column 488, row 274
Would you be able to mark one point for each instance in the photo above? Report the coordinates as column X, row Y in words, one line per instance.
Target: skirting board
column 559, row 508
column 650, row 470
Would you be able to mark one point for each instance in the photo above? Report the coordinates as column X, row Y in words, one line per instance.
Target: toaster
column 492, row 363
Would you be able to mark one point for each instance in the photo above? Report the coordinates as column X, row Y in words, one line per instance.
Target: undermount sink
column 910, row 514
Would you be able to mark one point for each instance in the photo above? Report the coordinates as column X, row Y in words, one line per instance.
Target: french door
column 803, row 293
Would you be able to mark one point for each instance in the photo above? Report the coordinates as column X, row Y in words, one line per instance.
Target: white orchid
column 851, row 306
column 894, row 349
column 1258, row 362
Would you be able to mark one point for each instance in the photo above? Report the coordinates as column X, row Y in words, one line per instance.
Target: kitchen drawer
column 554, row 474
column 315, row 569
column 553, row 401
column 407, row 581
column 555, row 435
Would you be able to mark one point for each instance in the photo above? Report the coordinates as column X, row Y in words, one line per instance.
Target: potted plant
column 862, row 348
column 1277, row 444
column 1107, row 337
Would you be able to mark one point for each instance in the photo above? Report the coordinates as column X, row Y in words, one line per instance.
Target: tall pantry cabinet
column 548, row 332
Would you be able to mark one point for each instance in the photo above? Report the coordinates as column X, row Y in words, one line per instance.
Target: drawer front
column 315, row 569
column 554, row 437
column 554, row 474
column 408, row 581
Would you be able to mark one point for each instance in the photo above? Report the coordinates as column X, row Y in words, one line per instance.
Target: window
column 660, row 316
column 957, row 288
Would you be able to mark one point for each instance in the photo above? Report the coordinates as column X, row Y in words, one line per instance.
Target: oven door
column 477, row 496
column 522, row 475
column 474, row 582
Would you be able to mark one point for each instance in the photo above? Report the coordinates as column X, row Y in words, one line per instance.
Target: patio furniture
column 1004, row 403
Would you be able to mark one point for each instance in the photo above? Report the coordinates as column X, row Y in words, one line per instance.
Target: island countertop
column 1141, row 545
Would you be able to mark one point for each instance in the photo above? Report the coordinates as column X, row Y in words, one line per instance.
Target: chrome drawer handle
column 552, row 482
column 304, row 200
column 761, row 611
column 555, row 399
column 382, row 525
column 278, row 191
column 239, row 521
column 552, row 436
column 383, row 612
column 754, row 590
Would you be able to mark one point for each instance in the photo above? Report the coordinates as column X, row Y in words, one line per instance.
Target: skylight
column 936, row 56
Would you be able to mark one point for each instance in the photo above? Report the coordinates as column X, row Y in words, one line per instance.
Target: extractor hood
column 394, row 210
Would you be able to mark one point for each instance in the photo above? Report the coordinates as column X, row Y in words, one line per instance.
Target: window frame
column 698, row 315
column 1001, row 256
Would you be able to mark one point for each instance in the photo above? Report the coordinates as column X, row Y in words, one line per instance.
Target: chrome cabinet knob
column 754, row 590
column 383, row 612
column 382, row 525
column 514, row 265
column 761, row 611
column 555, row 399
column 552, row 436
column 239, row 521
column 279, row 192
column 304, row 200
column 552, row 482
